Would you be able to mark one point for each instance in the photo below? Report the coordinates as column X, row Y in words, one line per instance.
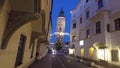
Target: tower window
column 60, row 28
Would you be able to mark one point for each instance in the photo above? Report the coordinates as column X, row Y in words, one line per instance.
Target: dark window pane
column 88, row 33
column 117, row 24
column 80, row 19
column 108, row 27
column 74, row 25
column 100, row 4
column 87, row 1
column 98, row 27
column 87, row 14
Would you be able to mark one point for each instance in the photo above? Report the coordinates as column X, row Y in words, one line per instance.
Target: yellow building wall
column 42, row 51
column 3, row 18
column 8, row 56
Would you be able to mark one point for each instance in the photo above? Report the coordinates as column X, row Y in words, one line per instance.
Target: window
column 117, row 24
column 108, row 27
column 87, row 14
column 74, row 25
column 114, row 55
column 100, row 4
column 88, row 33
column 20, row 52
column 98, row 27
column 73, row 38
column 80, row 19
column 87, row 1
column 60, row 28
column 73, row 46
column 79, row 35
column 36, row 5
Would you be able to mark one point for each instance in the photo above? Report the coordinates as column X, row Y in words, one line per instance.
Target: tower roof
column 61, row 14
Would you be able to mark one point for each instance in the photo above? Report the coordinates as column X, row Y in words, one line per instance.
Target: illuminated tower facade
column 60, row 28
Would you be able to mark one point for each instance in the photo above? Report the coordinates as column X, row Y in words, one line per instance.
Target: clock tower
column 60, row 26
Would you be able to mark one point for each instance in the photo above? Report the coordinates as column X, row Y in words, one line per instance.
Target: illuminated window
column 81, row 42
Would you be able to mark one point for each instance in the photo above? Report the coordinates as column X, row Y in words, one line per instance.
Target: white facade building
column 95, row 30
column 60, row 28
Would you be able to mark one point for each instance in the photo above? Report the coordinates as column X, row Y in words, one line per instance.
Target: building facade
column 24, row 31
column 60, row 28
column 95, row 30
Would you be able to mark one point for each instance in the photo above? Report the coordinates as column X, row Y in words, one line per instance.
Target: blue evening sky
column 67, row 6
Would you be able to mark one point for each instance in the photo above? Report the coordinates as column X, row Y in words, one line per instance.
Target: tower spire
column 61, row 14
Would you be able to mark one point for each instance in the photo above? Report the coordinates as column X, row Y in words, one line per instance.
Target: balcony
column 16, row 19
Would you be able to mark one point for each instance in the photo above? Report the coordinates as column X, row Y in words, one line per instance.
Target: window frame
column 81, row 20
column 88, row 33
column 74, row 25
column 117, row 24
column 100, row 4
column 87, row 14
column 98, row 27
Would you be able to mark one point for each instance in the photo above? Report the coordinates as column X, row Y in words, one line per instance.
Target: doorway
column 91, row 53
